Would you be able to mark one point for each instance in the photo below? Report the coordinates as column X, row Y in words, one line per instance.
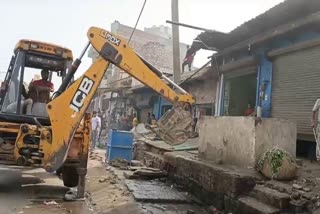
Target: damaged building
column 270, row 62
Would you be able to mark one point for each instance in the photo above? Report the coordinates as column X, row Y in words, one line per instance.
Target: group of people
column 101, row 121
column 151, row 119
column 122, row 121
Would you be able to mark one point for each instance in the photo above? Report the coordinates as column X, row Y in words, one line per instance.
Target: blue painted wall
column 264, row 86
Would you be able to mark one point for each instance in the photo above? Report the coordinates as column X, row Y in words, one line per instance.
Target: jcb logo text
column 81, row 94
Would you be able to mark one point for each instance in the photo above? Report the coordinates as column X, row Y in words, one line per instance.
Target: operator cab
column 26, row 89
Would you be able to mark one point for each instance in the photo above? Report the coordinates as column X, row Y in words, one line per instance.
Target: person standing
column 188, row 60
column 149, row 118
column 153, row 120
column 135, row 120
column 95, row 125
column 315, row 126
column 249, row 111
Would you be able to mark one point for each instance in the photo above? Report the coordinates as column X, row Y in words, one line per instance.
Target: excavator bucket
column 175, row 126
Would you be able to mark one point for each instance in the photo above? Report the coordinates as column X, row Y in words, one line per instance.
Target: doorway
column 239, row 92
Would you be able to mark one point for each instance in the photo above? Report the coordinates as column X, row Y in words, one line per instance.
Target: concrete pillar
column 175, row 41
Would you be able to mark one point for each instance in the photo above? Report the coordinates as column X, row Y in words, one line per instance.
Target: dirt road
column 35, row 191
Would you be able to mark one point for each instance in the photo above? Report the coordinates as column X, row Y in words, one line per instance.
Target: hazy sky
column 65, row 22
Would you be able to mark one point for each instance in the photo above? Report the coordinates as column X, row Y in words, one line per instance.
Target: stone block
column 241, row 141
column 231, row 205
column 213, row 178
column 155, row 191
column 298, row 206
column 271, row 197
column 154, row 160
column 250, row 205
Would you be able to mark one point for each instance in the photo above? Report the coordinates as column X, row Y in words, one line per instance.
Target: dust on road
column 36, row 191
column 26, row 192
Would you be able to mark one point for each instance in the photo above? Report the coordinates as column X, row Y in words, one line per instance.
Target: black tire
column 70, row 176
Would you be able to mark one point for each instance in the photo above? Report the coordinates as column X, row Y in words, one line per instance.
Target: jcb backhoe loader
column 23, row 136
column 60, row 142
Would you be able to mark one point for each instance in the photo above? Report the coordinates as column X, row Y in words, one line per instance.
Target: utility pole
column 175, row 41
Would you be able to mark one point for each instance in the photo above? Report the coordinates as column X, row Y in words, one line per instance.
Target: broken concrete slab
column 119, row 163
column 250, row 205
column 136, row 163
column 150, row 169
column 271, row 197
column 317, row 211
column 280, row 186
column 163, row 208
column 150, row 174
column 134, row 168
column 297, row 186
column 298, row 206
column 155, row 191
column 130, row 175
column 144, row 173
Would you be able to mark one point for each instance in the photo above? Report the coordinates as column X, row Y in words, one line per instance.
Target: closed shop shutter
column 296, row 81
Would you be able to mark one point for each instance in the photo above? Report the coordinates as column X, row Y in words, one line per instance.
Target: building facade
column 271, row 62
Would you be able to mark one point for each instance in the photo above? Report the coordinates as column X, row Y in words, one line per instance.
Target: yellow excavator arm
column 116, row 50
column 71, row 102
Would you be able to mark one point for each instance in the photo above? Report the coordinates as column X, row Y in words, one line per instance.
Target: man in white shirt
column 316, row 127
column 95, row 125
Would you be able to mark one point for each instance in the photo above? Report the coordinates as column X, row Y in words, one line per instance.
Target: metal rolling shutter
column 296, row 86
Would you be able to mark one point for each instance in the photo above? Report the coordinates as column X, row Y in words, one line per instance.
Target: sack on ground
column 277, row 164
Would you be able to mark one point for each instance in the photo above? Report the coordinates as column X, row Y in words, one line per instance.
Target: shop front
column 238, row 87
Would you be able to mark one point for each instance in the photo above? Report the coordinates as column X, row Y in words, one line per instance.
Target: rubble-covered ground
column 109, row 192
column 304, row 191
column 36, row 191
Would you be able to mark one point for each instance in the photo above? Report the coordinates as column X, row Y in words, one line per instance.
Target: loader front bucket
column 175, row 126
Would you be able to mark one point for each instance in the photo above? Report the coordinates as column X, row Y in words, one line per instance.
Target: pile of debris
column 95, row 156
column 119, row 163
column 145, row 173
column 136, row 170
